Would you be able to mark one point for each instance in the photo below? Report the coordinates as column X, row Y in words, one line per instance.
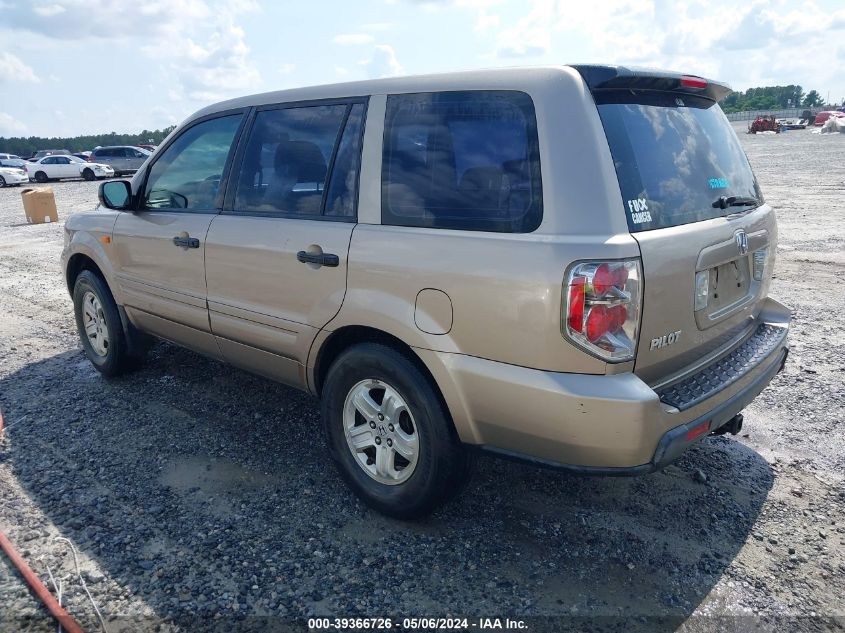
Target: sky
column 70, row 67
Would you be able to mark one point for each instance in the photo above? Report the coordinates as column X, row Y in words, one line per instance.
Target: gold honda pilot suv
column 566, row 265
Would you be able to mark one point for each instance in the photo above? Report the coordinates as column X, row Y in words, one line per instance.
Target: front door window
column 188, row 173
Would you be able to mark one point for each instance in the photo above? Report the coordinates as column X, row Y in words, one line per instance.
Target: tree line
column 28, row 146
column 772, row 98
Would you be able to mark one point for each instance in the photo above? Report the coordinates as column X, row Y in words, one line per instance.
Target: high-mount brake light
column 693, row 82
column 601, row 308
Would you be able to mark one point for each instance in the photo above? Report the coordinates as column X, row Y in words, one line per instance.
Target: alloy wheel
column 94, row 321
column 380, row 431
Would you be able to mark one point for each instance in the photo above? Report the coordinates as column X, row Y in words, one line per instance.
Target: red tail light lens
column 576, row 303
column 90, row 159
column 602, row 307
column 619, row 314
column 598, row 323
column 603, row 279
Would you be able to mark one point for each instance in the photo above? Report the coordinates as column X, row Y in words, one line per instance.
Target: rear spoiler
column 600, row 78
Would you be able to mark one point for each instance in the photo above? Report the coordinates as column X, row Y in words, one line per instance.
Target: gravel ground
column 199, row 496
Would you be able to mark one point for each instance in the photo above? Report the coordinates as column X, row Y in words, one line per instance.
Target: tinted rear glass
column 675, row 156
column 462, row 160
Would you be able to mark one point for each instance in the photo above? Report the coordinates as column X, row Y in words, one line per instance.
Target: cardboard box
column 39, row 205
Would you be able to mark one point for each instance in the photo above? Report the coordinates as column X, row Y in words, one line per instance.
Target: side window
column 48, row 161
column 188, row 173
column 62, row 161
column 342, row 195
column 286, row 160
column 462, row 160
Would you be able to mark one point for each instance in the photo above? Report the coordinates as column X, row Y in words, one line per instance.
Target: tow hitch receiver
column 732, row 426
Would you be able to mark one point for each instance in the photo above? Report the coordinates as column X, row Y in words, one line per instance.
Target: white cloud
column 377, row 26
column 197, row 42
column 161, row 117
column 383, row 62
column 757, row 43
column 286, row 69
column 486, row 22
column 82, row 19
column 213, row 67
column 353, row 38
column 49, row 10
column 10, row 126
column 530, row 36
column 13, row 69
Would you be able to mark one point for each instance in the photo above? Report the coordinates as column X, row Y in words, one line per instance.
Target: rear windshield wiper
column 723, row 202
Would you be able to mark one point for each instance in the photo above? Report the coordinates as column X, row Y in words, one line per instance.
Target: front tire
column 88, row 174
column 389, row 432
column 99, row 325
column 41, row 177
column 2, row 182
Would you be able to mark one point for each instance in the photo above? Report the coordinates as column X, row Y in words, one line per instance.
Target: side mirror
column 116, row 194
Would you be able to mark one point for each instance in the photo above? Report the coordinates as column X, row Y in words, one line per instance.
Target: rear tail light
column 90, row 159
column 601, row 311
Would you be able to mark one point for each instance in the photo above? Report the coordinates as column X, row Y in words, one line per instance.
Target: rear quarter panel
column 505, row 289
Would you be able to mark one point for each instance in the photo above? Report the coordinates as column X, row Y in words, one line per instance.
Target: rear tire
column 88, row 174
column 389, row 433
column 40, row 176
column 100, row 328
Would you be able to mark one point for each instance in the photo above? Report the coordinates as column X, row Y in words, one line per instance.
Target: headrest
column 302, row 158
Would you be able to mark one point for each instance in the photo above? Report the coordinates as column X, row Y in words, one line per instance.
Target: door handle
column 186, row 242
column 321, row 259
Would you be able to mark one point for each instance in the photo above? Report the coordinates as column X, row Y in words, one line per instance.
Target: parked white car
column 12, row 176
column 55, row 167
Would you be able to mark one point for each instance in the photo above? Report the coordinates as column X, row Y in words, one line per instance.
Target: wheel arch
column 76, row 264
column 345, row 337
column 330, row 345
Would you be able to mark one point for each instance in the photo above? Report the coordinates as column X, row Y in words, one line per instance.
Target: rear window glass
column 461, row 160
column 677, row 158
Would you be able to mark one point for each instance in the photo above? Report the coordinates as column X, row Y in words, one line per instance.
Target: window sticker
column 719, row 183
column 639, row 211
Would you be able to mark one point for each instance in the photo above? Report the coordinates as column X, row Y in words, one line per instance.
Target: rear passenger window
column 462, row 160
column 286, row 163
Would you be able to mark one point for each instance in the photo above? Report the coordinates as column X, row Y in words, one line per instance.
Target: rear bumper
column 609, row 424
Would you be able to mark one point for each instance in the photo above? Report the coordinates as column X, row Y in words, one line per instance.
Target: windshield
column 677, row 158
